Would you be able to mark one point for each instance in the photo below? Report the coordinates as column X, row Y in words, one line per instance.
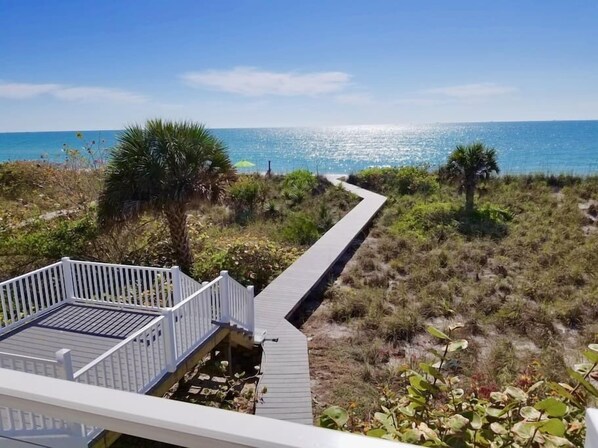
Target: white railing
column 189, row 285
column 15, row 422
column 192, row 319
column 134, row 365
column 124, row 285
column 169, row 421
column 23, row 297
column 240, row 300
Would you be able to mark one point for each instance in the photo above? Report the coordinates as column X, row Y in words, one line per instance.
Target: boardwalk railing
column 21, row 298
column 134, row 365
column 134, row 286
column 144, row 358
column 15, row 422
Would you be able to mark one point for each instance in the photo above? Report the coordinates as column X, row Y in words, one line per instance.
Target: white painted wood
column 224, row 298
column 250, row 312
column 21, row 300
column 591, row 428
column 168, row 421
column 68, row 278
column 176, row 284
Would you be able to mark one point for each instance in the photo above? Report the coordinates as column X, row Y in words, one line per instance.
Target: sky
column 67, row 65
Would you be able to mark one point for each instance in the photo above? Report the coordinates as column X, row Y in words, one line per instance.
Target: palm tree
column 469, row 165
column 162, row 167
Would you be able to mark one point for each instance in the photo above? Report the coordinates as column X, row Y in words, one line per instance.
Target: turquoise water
column 551, row 146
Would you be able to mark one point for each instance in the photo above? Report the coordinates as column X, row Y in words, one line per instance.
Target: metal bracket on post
column 250, row 309
column 67, row 276
column 169, row 340
column 176, row 284
column 224, row 298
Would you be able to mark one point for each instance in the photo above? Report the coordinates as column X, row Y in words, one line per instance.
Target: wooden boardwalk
column 285, row 362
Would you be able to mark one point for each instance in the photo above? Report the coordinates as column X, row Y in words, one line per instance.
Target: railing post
column 64, row 360
column 176, row 285
column 224, row 298
column 67, row 276
column 170, row 341
column 250, row 309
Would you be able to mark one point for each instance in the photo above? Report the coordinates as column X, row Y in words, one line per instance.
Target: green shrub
column 249, row 261
column 300, row 228
column 393, row 180
column 247, row 194
column 65, row 238
column 431, row 409
column 297, row 185
column 427, row 217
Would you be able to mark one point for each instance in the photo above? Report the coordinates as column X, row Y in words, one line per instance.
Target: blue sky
column 68, row 65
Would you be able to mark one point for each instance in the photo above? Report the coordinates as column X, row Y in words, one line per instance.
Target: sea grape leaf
column 552, row 407
column 437, row 333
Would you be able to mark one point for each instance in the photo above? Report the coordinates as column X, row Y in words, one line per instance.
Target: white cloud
column 467, row 91
column 69, row 93
column 359, row 99
column 21, row 90
column 251, row 81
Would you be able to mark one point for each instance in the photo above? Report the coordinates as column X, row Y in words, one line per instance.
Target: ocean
column 523, row 147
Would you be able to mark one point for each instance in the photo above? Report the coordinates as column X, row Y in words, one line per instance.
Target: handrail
column 143, row 268
column 37, row 271
column 28, row 295
column 168, row 421
column 117, row 347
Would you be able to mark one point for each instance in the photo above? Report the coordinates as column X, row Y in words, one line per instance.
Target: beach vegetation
column 517, row 272
column 468, row 166
column 162, row 167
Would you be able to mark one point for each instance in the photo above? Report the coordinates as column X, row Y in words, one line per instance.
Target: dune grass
column 520, row 273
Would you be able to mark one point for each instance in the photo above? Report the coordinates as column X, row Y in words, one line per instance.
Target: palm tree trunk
column 176, row 217
column 469, row 198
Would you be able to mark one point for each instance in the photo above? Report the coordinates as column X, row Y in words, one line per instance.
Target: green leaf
column 419, row 382
column 516, row 393
column 460, row 344
column 585, row 383
column 437, row 333
column 553, row 426
column 376, row 433
column 474, row 419
column 457, row 422
column 499, row 429
column 552, row 407
column 334, row 417
column 593, row 347
column 583, row 367
column 524, row 429
column 591, row 355
column 529, row 413
column 455, row 326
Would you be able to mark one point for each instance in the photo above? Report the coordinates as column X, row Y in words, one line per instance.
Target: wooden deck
column 285, row 363
column 87, row 330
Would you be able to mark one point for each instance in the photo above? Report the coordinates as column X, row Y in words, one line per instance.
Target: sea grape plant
column 433, row 410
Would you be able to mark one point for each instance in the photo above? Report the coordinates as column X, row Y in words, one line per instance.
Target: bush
column 427, row 217
column 246, row 194
column 64, row 239
column 432, row 409
column 297, row 185
column 392, row 180
column 249, row 261
column 300, row 228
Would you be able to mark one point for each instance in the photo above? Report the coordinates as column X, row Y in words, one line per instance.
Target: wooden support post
column 229, row 355
column 64, row 360
column 67, row 278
